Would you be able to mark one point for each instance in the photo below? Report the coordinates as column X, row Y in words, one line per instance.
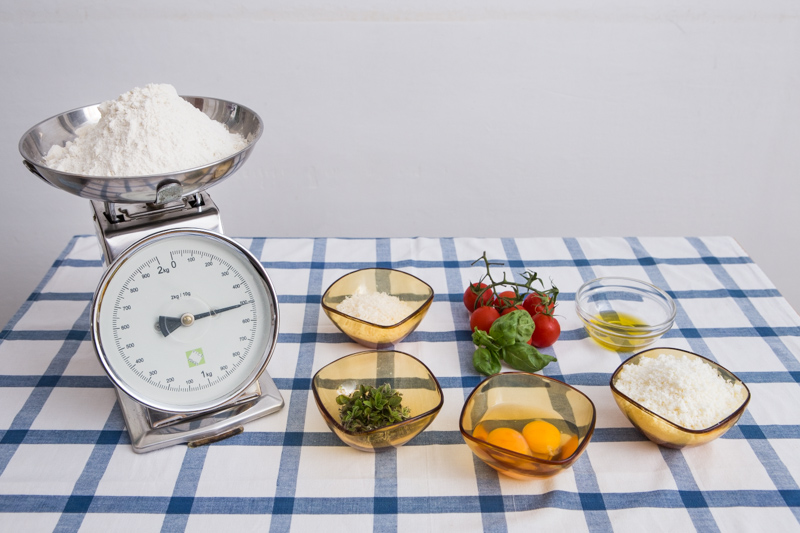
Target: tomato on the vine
column 505, row 299
column 535, row 303
column 483, row 318
column 507, row 310
column 546, row 331
column 471, row 296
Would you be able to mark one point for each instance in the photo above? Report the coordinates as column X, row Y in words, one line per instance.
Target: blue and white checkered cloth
column 66, row 463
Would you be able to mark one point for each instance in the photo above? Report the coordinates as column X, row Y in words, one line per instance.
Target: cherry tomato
column 470, row 297
column 509, row 309
column 533, row 304
column 505, row 299
column 483, row 318
column 547, row 331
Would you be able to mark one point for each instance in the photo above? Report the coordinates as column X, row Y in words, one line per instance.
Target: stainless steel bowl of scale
column 185, row 319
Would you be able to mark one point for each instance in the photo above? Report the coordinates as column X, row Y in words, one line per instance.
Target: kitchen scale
column 185, row 319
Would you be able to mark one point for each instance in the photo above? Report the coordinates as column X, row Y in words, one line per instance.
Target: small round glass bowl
column 404, row 286
column 624, row 314
column 514, row 399
column 405, row 373
column 660, row 430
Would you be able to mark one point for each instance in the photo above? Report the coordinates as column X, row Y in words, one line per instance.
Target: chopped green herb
column 368, row 408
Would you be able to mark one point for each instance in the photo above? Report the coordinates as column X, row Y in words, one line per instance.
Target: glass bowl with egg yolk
column 526, row 425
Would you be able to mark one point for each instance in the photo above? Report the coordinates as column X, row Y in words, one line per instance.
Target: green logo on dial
column 195, row 357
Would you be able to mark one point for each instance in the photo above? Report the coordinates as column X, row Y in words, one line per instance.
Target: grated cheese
column 376, row 307
column 684, row 390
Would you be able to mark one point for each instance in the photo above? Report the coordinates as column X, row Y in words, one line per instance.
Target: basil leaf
column 486, row 361
column 514, row 328
column 525, row 326
column 481, row 338
column 523, row 356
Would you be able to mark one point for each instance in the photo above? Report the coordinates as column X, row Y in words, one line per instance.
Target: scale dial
column 184, row 320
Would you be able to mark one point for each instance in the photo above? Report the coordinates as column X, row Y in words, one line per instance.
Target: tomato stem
column 548, row 296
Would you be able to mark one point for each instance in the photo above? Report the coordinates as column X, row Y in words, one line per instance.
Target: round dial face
column 184, row 320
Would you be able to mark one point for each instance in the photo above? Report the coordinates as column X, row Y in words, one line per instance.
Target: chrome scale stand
column 118, row 226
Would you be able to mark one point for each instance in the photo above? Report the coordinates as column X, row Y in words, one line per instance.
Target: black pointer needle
column 168, row 324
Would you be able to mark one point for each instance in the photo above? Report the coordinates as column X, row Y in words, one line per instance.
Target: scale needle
column 168, row 324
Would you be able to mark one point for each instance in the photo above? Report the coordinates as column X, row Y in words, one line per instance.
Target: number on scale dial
column 184, row 320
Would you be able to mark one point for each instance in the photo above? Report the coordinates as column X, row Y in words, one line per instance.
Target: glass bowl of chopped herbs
column 377, row 307
column 377, row 400
column 678, row 399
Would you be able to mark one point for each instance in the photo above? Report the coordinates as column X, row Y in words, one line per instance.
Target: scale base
column 152, row 430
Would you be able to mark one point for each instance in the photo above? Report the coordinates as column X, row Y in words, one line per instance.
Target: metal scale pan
column 60, row 129
column 127, row 209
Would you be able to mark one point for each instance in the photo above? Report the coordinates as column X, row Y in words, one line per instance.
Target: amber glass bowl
column 407, row 374
column 660, row 430
column 624, row 314
column 404, row 286
column 513, row 400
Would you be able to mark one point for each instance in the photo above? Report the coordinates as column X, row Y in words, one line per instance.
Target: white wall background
column 438, row 117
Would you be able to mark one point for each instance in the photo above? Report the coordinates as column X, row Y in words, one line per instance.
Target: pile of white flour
column 143, row 132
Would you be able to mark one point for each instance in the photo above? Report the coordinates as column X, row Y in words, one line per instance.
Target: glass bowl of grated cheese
column 677, row 398
column 377, row 307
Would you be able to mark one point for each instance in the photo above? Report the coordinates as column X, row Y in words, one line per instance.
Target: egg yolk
column 509, row 439
column 480, row 432
column 542, row 437
column 569, row 448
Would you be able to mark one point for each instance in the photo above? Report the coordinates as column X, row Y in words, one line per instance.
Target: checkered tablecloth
column 66, row 463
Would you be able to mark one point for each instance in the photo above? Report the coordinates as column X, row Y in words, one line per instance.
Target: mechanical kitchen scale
column 185, row 319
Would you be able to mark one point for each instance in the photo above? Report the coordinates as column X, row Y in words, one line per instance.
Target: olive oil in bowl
column 620, row 331
column 624, row 314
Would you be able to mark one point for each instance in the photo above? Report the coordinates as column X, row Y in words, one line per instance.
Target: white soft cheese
column 376, row 307
column 684, row 390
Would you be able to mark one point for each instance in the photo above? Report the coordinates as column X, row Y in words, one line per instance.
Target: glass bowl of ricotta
column 377, row 307
column 678, row 399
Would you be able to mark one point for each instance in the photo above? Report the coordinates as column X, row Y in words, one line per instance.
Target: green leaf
column 486, row 361
column 481, row 338
column 525, row 357
column 370, row 408
column 512, row 328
